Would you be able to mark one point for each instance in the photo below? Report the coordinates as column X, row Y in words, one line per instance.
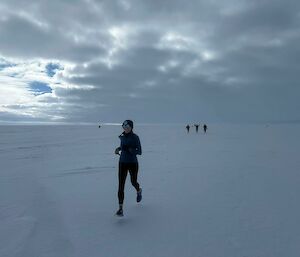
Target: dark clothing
column 130, row 147
column 123, row 170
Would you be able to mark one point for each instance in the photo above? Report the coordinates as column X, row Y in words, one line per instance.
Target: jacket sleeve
column 138, row 146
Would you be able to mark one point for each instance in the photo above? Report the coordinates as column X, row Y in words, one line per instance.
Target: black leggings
column 123, row 170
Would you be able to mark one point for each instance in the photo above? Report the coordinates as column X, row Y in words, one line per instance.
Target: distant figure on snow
column 130, row 146
column 188, row 128
column 197, row 127
column 204, row 128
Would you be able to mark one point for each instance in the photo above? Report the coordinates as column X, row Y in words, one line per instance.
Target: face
column 127, row 128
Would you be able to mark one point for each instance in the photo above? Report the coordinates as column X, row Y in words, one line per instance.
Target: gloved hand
column 117, row 151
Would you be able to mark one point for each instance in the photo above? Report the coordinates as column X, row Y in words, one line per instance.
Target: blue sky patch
column 40, row 88
column 52, row 68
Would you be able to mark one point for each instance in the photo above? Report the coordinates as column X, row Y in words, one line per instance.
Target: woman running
column 130, row 147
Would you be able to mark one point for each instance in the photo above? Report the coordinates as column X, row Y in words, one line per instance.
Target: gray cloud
column 162, row 61
column 22, row 38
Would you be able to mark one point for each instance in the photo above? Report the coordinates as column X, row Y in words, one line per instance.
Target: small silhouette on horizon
column 197, row 127
column 204, row 128
column 188, row 128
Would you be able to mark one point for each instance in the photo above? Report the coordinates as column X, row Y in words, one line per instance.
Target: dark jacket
column 130, row 147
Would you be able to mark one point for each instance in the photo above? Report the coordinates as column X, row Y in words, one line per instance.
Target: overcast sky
column 150, row 61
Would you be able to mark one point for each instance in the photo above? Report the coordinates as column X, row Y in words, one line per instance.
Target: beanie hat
column 128, row 122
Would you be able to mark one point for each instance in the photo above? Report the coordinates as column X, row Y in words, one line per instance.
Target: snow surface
column 232, row 192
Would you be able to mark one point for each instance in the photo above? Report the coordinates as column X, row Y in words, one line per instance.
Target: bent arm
column 138, row 146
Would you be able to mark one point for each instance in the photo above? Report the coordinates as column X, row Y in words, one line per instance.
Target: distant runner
column 188, row 128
